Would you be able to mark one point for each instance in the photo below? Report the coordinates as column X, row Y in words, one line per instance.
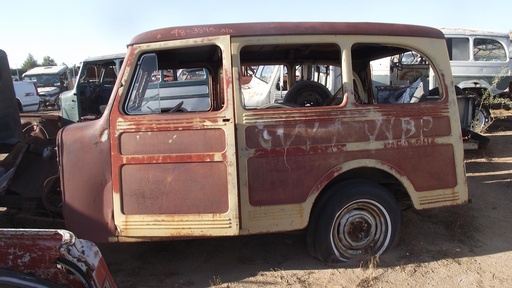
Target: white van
column 480, row 60
column 26, row 93
column 50, row 81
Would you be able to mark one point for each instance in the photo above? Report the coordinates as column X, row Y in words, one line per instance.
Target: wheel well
column 386, row 179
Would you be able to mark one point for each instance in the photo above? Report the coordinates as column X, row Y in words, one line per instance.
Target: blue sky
column 70, row 31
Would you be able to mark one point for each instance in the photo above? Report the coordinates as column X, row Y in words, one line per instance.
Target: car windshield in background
column 43, row 80
column 192, row 74
column 264, row 73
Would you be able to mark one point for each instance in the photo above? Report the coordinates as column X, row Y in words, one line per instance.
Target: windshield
column 43, row 80
column 264, row 73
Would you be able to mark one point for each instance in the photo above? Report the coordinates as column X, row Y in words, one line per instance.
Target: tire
column 52, row 195
column 481, row 119
column 359, row 219
column 307, row 93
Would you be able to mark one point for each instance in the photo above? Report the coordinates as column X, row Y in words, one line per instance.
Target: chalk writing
column 200, row 31
column 410, row 131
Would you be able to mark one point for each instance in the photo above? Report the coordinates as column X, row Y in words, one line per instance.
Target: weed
column 215, row 281
column 370, row 263
column 488, row 102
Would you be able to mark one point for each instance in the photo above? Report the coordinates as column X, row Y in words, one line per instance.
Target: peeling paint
column 42, row 253
column 104, row 136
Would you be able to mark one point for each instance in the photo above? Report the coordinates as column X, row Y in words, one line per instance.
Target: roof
column 285, row 28
column 105, row 57
column 472, row 32
column 46, row 70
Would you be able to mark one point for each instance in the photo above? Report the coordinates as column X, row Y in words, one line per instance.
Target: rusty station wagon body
column 338, row 159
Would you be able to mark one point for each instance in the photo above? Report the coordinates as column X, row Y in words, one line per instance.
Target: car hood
column 48, row 91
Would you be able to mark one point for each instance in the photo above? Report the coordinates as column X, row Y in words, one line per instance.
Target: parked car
column 92, row 90
column 341, row 165
column 50, row 81
column 480, row 60
column 27, row 95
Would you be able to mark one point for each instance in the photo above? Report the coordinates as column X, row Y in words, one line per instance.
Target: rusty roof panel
column 285, row 28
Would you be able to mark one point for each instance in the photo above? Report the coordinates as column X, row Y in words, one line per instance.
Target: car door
column 174, row 172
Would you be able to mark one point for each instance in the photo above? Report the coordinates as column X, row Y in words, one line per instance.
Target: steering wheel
column 398, row 65
column 177, row 107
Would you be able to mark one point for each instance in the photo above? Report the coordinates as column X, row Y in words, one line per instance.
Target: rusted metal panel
column 169, row 189
column 285, row 28
column 86, row 179
column 54, row 255
column 290, row 151
column 172, row 142
column 287, row 176
column 341, row 130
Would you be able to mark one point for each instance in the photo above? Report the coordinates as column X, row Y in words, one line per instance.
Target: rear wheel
column 360, row 218
column 481, row 119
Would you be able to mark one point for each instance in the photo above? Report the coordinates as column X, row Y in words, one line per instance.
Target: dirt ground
column 462, row 246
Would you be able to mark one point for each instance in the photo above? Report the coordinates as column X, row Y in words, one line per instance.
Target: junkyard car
column 479, row 59
column 27, row 95
column 481, row 64
column 50, row 81
column 93, row 87
column 329, row 157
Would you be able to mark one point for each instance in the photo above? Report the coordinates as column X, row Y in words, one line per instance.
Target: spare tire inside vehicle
column 307, row 93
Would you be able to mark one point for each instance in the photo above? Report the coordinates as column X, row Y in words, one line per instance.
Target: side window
column 401, row 78
column 458, row 49
column 140, row 93
column 177, row 80
column 488, row 50
column 291, row 75
column 109, row 75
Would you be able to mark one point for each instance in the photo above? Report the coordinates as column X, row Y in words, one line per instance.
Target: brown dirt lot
column 462, row 246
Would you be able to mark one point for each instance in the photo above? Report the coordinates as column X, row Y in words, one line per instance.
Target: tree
column 48, row 61
column 29, row 63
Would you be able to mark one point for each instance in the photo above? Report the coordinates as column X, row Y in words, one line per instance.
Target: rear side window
column 291, row 75
column 488, row 50
column 458, row 49
column 402, row 76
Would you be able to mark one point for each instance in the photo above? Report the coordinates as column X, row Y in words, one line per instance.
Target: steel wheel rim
column 361, row 226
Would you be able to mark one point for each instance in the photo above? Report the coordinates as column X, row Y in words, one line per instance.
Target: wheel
column 481, row 118
column 359, row 218
column 307, row 93
column 52, row 195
